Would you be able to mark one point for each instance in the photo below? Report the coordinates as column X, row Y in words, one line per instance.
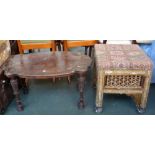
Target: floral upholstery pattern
column 132, row 57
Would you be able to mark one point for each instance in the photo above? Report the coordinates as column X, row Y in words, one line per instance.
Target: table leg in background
column 81, row 83
column 14, row 84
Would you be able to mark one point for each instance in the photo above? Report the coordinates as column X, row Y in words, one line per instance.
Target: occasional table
column 122, row 69
column 47, row 66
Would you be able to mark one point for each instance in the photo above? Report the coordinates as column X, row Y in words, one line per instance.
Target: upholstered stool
column 122, row 69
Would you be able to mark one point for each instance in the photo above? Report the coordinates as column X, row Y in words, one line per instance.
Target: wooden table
column 47, row 66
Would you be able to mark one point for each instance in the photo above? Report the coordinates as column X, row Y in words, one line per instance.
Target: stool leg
column 14, row 84
column 136, row 98
column 94, row 76
column 99, row 99
column 142, row 106
column 99, row 93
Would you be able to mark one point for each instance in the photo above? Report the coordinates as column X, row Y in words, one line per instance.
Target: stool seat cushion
column 120, row 57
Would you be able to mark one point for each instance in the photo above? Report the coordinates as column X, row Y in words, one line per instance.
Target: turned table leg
column 24, row 86
column 81, row 83
column 14, row 84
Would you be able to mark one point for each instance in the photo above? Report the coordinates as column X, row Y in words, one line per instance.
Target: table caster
column 20, row 107
column 141, row 110
column 2, row 111
column 98, row 109
column 81, row 105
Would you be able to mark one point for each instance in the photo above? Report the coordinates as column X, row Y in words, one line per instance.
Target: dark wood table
column 47, row 66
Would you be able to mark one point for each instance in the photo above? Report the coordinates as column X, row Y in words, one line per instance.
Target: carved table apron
column 47, row 66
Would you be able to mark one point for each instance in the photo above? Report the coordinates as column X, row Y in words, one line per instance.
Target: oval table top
column 47, row 65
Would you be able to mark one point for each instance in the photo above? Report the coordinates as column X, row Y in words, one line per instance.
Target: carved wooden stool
column 122, row 69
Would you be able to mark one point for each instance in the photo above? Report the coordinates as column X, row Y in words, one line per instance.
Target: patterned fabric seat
column 121, row 57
